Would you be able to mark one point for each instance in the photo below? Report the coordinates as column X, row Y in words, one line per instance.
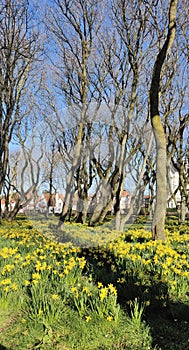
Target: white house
column 125, row 201
column 55, row 206
column 174, row 183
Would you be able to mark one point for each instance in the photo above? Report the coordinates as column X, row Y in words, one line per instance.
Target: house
column 40, row 203
column 54, row 203
column 174, row 183
column 12, row 203
column 2, row 205
column 125, row 201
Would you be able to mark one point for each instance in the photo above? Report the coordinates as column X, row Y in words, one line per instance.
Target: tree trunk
column 12, row 215
column 158, row 222
column 104, row 202
column 158, row 230
column 138, row 189
column 82, row 208
column 182, row 215
column 51, row 202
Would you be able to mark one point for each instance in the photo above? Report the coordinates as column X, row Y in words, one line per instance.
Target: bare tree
column 106, row 60
column 18, row 52
column 177, row 115
column 178, row 156
column 130, row 22
column 159, row 134
column 74, row 26
column 26, row 173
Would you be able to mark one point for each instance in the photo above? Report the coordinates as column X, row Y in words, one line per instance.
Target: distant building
column 125, row 201
column 3, row 205
column 55, row 203
column 11, row 205
column 174, row 183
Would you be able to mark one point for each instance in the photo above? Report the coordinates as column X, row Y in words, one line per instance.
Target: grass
column 123, row 292
column 90, row 337
column 72, row 332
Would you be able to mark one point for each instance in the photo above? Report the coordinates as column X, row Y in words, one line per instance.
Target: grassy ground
column 123, row 292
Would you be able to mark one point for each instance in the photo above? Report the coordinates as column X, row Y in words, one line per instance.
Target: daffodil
column 103, row 293
column 87, row 318
column 26, row 282
column 6, row 281
column 99, row 284
column 36, row 276
column 54, row 296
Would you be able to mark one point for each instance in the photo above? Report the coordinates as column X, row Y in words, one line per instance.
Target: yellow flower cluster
column 8, row 285
column 7, row 252
column 107, row 290
column 28, row 258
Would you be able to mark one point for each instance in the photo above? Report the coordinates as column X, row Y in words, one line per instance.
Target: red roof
column 53, row 197
column 125, row 193
column 47, row 198
column 60, row 196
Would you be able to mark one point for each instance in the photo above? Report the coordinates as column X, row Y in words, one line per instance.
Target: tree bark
column 158, row 230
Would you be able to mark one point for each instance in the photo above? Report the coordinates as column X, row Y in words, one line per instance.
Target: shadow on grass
column 2, row 347
column 168, row 320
